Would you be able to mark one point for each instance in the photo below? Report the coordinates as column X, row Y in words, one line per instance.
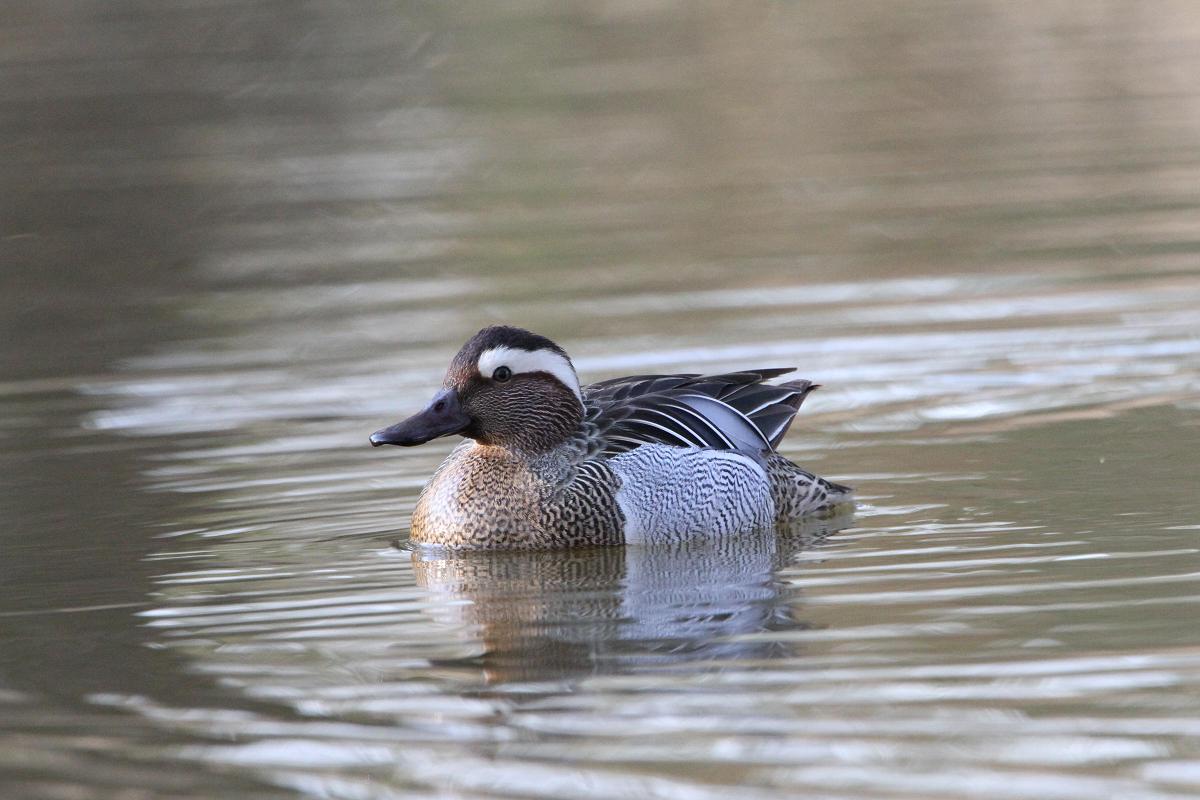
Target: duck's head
column 507, row 387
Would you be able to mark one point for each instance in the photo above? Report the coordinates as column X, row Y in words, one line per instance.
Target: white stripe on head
column 520, row 361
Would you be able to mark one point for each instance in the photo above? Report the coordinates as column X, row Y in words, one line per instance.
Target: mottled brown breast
column 483, row 497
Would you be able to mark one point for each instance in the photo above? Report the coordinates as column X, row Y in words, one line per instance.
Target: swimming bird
column 548, row 463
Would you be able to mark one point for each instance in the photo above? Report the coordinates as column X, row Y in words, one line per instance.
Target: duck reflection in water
column 562, row 613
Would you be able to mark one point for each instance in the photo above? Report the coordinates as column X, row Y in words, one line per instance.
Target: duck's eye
column 501, row 374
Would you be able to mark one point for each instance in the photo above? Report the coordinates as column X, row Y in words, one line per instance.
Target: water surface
column 238, row 237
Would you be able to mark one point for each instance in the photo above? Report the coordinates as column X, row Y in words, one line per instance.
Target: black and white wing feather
column 733, row 411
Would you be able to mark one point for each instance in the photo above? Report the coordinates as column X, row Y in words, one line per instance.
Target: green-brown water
column 237, row 237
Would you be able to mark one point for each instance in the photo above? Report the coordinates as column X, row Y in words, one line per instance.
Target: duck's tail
column 797, row 492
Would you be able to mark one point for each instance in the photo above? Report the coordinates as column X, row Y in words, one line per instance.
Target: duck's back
column 695, row 454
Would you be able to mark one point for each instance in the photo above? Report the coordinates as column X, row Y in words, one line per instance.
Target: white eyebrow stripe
column 530, row 361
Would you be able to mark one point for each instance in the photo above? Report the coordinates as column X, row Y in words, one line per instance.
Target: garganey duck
column 642, row 459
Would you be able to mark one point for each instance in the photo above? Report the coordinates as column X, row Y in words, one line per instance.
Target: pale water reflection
column 488, row 618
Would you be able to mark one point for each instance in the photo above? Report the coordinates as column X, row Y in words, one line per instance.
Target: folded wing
column 733, row 411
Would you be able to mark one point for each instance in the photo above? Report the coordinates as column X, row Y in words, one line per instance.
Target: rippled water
column 239, row 237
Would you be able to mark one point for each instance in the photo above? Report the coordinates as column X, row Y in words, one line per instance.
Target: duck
column 546, row 462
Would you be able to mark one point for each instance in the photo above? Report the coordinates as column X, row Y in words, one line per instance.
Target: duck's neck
column 536, row 437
